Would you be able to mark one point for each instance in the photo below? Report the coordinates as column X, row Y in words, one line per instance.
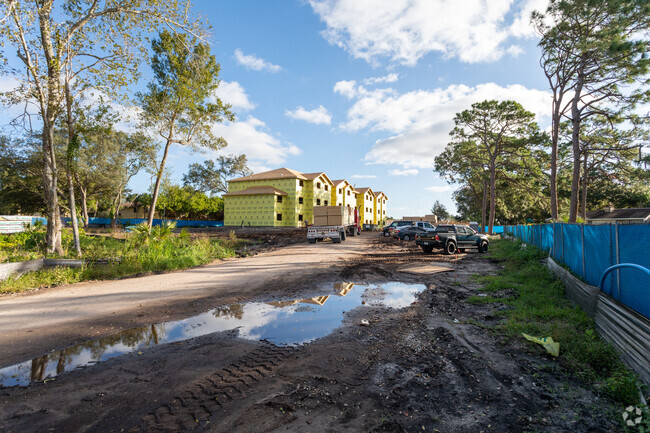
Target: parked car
column 410, row 233
column 452, row 237
column 388, row 230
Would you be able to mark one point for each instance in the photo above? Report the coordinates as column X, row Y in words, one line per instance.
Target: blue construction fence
column 588, row 250
column 495, row 229
column 156, row 222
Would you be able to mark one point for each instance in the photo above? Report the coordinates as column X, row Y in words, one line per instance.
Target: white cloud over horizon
column 443, row 188
column 407, row 172
column 233, row 93
column 473, row 31
column 317, row 116
column 251, row 61
column 250, row 137
column 421, row 120
column 363, row 176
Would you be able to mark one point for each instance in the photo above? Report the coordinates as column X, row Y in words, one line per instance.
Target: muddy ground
column 432, row 367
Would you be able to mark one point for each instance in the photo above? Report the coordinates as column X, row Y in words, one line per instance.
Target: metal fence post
column 584, row 266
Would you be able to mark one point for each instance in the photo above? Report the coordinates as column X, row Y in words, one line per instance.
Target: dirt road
column 431, row 366
column 34, row 323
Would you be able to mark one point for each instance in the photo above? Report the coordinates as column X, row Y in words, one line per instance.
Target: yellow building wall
column 381, row 210
column 312, row 194
column 265, row 208
column 366, row 205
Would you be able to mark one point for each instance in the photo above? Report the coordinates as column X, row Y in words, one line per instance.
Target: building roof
column 620, row 214
column 378, row 193
column 312, row 176
column 280, row 173
column 257, row 190
column 365, row 190
column 339, row 181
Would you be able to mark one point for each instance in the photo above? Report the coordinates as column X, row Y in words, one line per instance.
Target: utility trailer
column 333, row 222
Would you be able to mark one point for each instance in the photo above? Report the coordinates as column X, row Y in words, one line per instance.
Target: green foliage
column 209, row 178
column 163, row 251
column 182, row 202
column 21, row 182
column 440, row 211
column 495, row 152
column 540, row 308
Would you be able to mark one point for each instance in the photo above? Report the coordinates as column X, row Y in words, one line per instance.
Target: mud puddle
column 283, row 323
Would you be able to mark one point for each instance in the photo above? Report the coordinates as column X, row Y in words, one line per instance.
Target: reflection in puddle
column 282, row 323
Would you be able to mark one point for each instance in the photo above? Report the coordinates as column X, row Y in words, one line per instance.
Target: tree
column 20, row 177
column 101, row 37
column 177, row 105
column 496, row 135
column 608, row 63
column 440, row 210
column 208, row 178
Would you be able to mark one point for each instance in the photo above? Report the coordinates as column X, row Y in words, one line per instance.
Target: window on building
column 348, row 192
column 299, row 200
column 279, row 217
column 318, row 185
column 301, row 183
column 340, row 190
column 325, row 202
column 326, row 187
column 300, row 217
column 341, row 205
column 279, row 199
column 317, row 202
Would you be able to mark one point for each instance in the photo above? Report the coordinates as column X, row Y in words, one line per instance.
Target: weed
column 540, row 308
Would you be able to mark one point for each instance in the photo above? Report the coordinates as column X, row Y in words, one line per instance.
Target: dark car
column 388, row 230
column 412, row 232
column 452, row 238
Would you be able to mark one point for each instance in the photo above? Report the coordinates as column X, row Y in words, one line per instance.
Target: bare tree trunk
column 493, row 195
column 583, row 197
column 484, row 206
column 156, row 189
column 84, row 202
column 53, row 235
column 575, row 142
column 555, row 134
column 69, row 169
column 73, row 213
column 116, row 205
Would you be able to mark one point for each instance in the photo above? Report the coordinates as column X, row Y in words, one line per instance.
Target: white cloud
column 233, row 93
column 471, row 30
column 521, row 25
column 363, row 176
column 407, row 172
column 255, row 63
column 318, row 116
column 390, row 78
column 443, row 188
column 346, row 88
column 422, row 119
column 249, row 137
column 515, row 50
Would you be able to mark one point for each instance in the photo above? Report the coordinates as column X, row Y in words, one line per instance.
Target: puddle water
column 281, row 322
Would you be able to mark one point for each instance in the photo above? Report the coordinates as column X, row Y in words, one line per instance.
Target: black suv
column 388, row 230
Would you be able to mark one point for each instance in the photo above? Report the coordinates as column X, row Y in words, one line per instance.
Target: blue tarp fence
column 588, row 250
column 156, row 222
column 495, row 229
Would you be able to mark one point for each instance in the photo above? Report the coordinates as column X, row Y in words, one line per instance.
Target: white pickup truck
column 333, row 222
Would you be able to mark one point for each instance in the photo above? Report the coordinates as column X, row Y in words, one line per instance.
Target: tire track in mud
column 199, row 402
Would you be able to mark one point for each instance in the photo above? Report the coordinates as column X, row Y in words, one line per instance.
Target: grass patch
column 541, row 309
column 137, row 256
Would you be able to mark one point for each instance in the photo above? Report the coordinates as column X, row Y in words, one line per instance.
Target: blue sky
column 364, row 90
